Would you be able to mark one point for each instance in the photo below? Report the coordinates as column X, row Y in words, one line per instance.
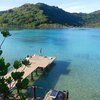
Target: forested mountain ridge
column 44, row 16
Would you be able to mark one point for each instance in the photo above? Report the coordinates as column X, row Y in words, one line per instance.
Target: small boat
column 56, row 95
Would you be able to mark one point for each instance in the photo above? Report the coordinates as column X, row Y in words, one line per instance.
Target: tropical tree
column 16, row 76
column 27, row 63
column 5, row 34
column 17, row 64
column 3, row 67
column 4, row 89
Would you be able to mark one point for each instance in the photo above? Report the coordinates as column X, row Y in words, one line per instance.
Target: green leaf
column 26, row 62
column 17, row 64
column 17, row 75
column 23, row 96
column 22, row 84
column 18, row 84
column 5, row 33
column 9, row 80
column 25, row 83
column 3, row 67
column 4, row 87
column 0, row 52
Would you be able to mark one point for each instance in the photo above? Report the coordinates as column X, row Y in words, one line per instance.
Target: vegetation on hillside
column 44, row 16
column 30, row 15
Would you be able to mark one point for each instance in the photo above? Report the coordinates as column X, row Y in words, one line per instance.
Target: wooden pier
column 36, row 62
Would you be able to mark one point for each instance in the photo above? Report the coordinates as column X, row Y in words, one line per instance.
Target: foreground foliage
column 6, row 85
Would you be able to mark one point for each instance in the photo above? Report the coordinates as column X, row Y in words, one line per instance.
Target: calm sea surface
column 77, row 67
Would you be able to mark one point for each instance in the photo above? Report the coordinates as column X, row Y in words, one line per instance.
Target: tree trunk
column 17, row 91
column 2, row 42
column 34, row 92
column 24, row 68
column 32, row 79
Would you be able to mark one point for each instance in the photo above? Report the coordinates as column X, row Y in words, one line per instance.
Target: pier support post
column 44, row 71
column 34, row 92
column 32, row 79
column 36, row 71
column 66, row 95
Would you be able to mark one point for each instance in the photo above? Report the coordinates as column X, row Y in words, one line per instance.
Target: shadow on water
column 35, row 39
column 42, row 39
column 50, row 79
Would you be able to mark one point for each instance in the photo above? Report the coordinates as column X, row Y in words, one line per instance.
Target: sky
column 85, row 6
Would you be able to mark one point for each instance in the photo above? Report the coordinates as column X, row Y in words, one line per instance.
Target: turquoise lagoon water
column 77, row 67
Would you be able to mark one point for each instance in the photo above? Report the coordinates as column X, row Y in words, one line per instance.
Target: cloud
column 74, row 9
column 85, row 7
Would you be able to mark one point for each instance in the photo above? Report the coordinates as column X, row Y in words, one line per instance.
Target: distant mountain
column 57, row 15
column 91, row 19
column 96, row 12
column 44, row 16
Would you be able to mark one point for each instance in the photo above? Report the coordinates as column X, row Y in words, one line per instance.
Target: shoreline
column 16, row 28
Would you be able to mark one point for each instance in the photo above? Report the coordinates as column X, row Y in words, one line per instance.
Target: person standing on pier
column 40, row 51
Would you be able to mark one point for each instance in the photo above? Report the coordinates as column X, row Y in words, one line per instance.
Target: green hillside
column 44, row 16
column 91, row 19
column 30, row 15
